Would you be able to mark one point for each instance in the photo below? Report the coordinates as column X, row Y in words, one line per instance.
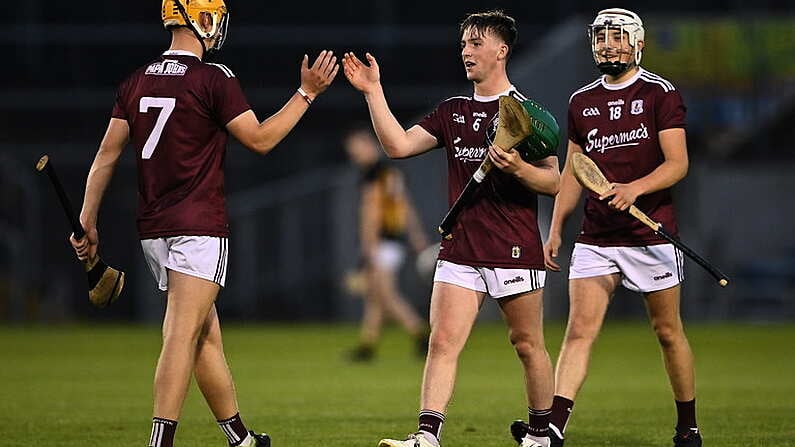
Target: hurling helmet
column 627, row 23
column 187, row 13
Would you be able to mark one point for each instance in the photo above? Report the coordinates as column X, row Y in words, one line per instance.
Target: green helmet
column 545, row 138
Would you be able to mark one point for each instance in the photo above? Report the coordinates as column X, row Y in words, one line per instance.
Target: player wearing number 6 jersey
column 631, row 123
column 496, row 248
column 177, row 112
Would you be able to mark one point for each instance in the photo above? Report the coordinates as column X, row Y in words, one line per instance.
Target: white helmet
column 624, row 21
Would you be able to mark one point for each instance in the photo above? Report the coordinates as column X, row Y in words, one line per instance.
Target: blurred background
column 293, row 212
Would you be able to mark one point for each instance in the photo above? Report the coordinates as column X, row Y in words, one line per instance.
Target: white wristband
column 305, row 96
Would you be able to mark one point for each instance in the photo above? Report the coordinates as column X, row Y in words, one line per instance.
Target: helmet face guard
column 220, row 37
column 188, row 13
column 628, row 25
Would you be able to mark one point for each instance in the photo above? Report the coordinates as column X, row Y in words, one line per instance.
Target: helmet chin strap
column 205, row 53
column 614, row 69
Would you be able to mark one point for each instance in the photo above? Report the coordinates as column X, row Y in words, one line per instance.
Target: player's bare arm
column 263, row 137
column 110, row 149
column 542, row 176
column 565, row 203
column 673, row 143
column 396, row 141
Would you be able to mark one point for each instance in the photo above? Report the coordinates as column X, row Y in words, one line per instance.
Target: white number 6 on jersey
column 166, row 105
column 476, row 124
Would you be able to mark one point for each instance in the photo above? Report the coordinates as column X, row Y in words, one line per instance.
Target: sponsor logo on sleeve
column 458, row 118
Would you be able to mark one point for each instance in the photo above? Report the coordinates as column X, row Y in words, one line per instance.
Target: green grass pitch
column 91, row 386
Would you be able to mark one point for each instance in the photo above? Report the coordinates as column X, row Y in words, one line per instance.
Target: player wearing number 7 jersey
column 177, row 112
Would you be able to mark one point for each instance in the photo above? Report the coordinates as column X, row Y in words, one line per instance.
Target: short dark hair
column 495, row 21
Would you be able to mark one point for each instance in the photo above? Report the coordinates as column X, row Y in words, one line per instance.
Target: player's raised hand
column 363, row 77
column 316, row 79
column 551, row 252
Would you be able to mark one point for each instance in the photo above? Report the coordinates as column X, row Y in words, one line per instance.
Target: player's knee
column 209, row 339
column 580, row 333
column 668, row 335
column 181, row 334
column 444, row 343
column 527, row 348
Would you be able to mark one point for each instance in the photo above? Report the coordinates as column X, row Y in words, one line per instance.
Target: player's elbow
column 393, row 151
column 680, row 170
column 396, row 155
column 685, row 167
column 554, row 188
column 551, row 184
column 397, row 150
column 551, row 189
column 261, row 145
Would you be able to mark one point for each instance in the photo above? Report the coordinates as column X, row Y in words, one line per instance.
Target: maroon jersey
column 617, row 126
column 177, row 108
column 500, row 226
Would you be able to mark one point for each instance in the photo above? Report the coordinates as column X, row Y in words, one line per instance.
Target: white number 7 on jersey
column 166, row 105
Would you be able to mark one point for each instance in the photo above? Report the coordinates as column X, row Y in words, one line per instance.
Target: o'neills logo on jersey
column 168, row 67
column 616, row 140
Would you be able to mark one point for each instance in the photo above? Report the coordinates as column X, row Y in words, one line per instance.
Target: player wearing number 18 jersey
column 631, row 123
column 618, row 126
column 177, row 112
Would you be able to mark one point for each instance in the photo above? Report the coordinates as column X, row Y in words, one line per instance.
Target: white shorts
column 390, row 255
column 642, row 269
column 498, row 283
column 201, row 256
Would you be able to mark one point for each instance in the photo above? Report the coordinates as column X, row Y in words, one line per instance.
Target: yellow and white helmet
column 187, row 13
column 627, row 23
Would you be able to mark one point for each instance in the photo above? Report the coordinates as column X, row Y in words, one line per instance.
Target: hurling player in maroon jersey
column 177, row 112
column 496, row 249
column 631, row 122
